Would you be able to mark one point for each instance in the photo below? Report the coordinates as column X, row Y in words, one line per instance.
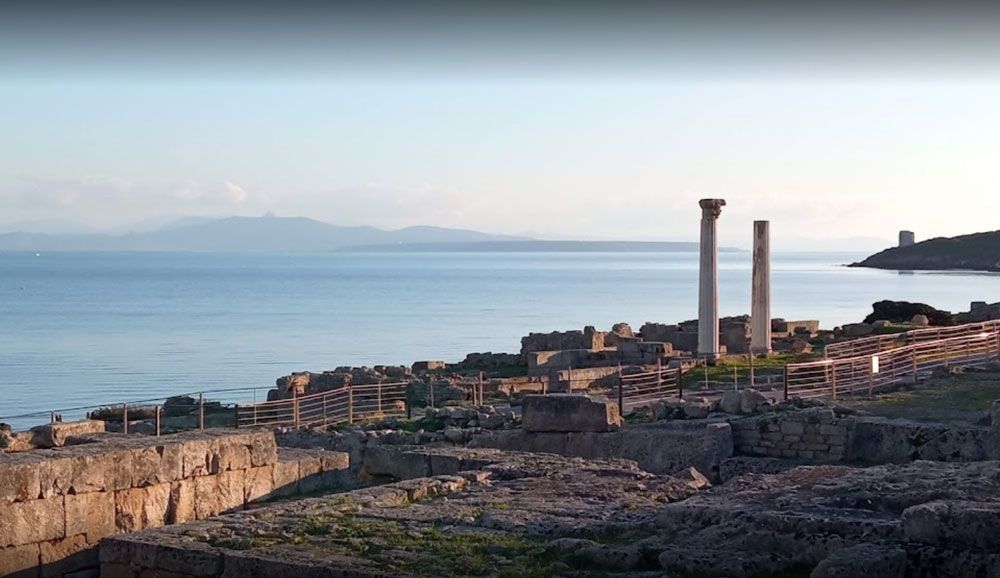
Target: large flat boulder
column 569, row 413
column 55, row 435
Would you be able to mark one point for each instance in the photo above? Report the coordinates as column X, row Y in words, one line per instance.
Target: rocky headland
column 975, row 252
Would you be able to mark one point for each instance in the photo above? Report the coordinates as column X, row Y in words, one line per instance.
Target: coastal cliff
column 977, row 252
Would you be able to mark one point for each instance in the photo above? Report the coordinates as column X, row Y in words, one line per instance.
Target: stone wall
column 816, row 435
column 660, row 448
column 589, row 338
column 813, row 435
column 56, row 505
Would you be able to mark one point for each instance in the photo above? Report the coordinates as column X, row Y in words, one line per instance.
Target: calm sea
column 90, row 328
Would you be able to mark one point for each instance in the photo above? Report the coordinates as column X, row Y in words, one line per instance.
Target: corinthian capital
column 711, row 208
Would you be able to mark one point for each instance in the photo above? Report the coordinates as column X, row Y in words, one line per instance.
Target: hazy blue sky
column 565, row 120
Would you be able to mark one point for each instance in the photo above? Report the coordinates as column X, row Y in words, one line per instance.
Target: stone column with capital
column 760, row 291
column 708, row 280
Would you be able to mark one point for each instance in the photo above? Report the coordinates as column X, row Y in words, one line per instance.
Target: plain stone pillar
column 760, row 293
column 708, row 280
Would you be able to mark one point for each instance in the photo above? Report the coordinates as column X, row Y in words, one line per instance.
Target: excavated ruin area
column 498, row 513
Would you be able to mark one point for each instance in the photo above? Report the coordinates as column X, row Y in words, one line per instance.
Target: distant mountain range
column 533, row 246
column 975, row 252
column 299, row 234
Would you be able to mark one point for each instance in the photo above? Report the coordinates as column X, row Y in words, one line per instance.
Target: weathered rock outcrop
column 904, row 312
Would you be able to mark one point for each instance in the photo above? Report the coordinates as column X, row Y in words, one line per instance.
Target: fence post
column 408, row 400
column 52, row 417
column 236, row 415
column 295, row 408
column 569, row 380
column 833, row 380
column 350, row 403
column 481, row 400
column 157, row 421
column 201, row 411
column 621, row 395
column 736, row 383
column 125, row 418
column 324, row 408
column 752, row 381
column 786, row 382
column 871, row 377
column 659, row 374
column 378, row 398
column 706, row 372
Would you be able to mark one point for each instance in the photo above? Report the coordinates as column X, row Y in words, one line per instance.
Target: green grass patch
column 961, row 398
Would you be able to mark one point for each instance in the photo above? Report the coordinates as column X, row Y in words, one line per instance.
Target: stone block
column 20, row 481
column 309, row 465
column 220, row 493
column 19, row 561
column 67, row 555
column 750, row 400
column 80, row 470
column 792, row 428
column 146, row 467
column 56, row 435
column 954, row 524
column 569, row 413
column 335, row 461
column 157, row 506
column 92, row 515
column 263, row 450
column 182, row 502
column 389, row 461
column 286, row 477
column 696, row 409
column 196, row 458
column 232, row 453
column 117, row 467
column 129, row 505
column 33, row 521
column 171, row 462
column 112, row 570
column 258, row 483
column 863, row 561
column 140, row 508
column 189, row 561
column 833, row 430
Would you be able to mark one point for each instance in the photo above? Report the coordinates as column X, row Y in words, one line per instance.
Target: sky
column 560, row 120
